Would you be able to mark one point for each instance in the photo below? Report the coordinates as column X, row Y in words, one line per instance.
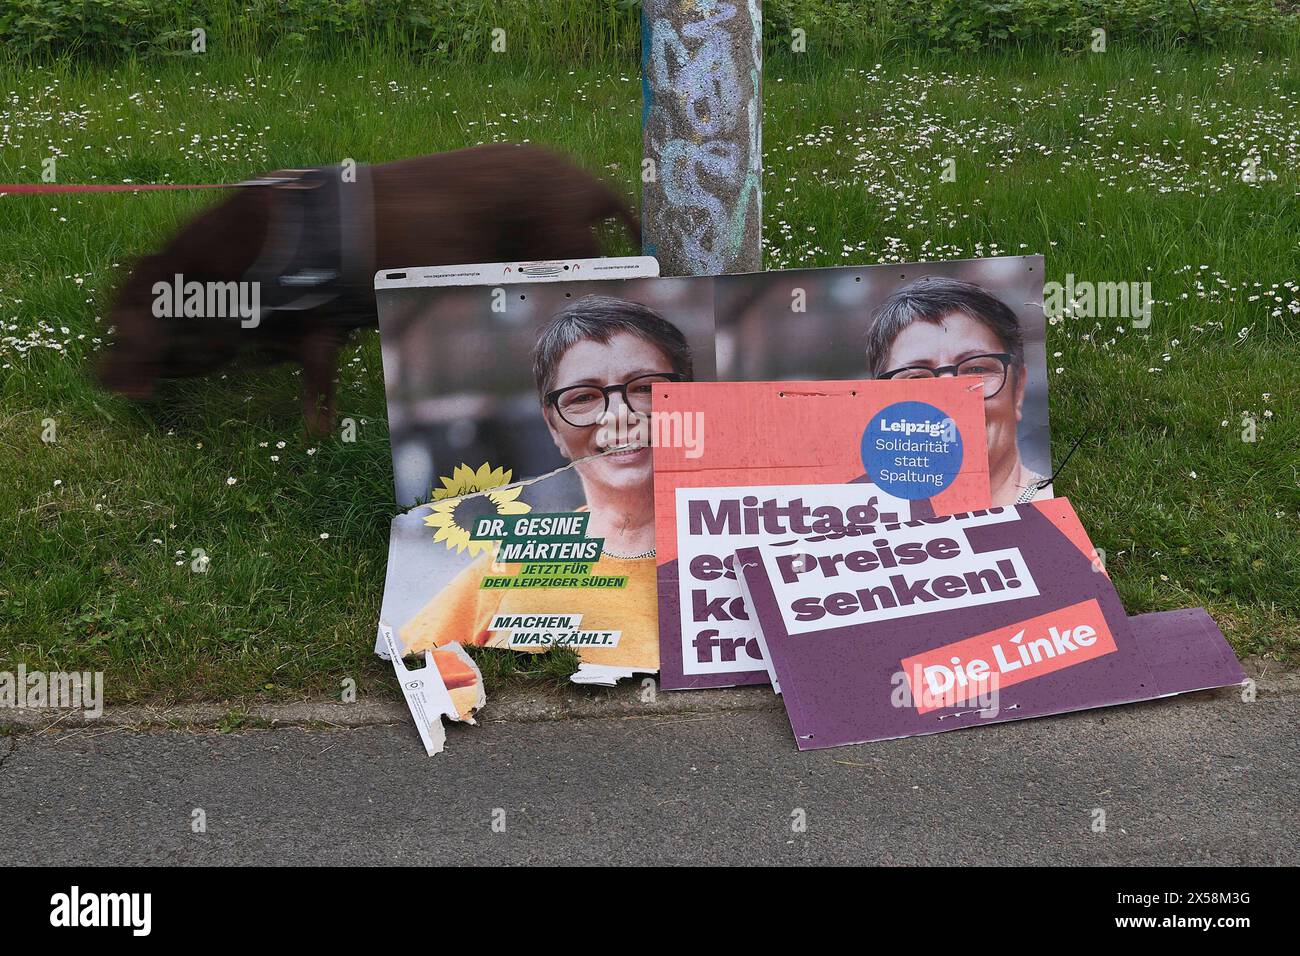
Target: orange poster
column 893, row 450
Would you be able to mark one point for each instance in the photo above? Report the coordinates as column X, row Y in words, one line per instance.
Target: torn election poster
column 523, row 418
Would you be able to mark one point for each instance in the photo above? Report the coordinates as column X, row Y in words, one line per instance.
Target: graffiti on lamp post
column 702, row 122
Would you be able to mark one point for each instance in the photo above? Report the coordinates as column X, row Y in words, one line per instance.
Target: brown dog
column 495, row 203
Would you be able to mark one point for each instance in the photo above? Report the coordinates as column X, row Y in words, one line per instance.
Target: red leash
column 27, row 188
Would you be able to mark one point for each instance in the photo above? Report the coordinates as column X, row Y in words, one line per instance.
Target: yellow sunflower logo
column 454, row 514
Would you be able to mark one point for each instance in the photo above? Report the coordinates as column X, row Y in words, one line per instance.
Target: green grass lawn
column 1119, row 167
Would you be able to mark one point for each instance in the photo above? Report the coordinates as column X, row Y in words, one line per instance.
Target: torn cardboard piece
column 448, row 685
column 604, row 675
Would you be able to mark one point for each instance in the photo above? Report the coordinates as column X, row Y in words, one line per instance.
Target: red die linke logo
column 968, row 669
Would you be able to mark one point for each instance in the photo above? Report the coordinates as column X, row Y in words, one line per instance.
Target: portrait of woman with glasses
column 595, row 365
column 937, row 326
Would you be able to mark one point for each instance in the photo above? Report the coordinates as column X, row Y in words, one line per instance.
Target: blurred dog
column 311, row 241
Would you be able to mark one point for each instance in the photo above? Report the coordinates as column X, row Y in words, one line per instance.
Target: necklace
column 631, row 557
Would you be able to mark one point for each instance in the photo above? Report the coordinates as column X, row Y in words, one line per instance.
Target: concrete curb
column 520, row 706
column 523, row 705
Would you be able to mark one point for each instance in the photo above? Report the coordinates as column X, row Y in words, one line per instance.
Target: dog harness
column 320, row 243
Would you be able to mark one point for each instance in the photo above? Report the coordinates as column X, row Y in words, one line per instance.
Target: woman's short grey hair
column 929, row 299
column 598, row 318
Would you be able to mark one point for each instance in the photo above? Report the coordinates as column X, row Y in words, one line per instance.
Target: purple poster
column 936, row 624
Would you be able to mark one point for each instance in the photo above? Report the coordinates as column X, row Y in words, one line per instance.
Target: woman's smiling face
column 953, row 338
column 621, row 359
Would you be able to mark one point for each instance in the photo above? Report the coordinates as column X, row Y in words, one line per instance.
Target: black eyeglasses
column 991, row 367
column 583, row 405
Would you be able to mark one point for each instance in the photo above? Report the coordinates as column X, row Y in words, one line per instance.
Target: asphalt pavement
column 1206, row 778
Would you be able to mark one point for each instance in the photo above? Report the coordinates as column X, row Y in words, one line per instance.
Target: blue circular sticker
column 911, row 450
